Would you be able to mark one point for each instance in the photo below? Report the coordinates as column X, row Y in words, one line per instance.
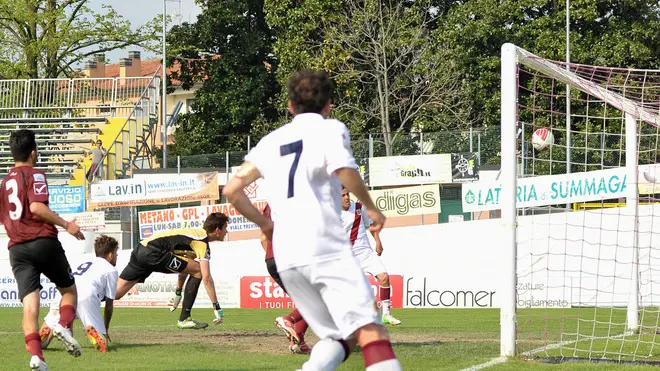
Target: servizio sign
column 549, row 190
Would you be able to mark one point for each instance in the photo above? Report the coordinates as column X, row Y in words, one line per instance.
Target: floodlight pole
column 568, row 91
column 164, row 113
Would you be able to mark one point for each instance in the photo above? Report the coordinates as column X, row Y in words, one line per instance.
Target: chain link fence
column 485, row 143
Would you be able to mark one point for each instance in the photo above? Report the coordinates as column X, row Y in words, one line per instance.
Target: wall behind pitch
column 564, row 259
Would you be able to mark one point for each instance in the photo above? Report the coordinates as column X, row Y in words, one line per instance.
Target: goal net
column 581, row 235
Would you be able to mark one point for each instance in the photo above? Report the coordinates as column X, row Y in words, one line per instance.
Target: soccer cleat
column 64, row 335
column 191, row 324
column 388, row 319
column 287, row 327
column 97, row 339
column 301, row 348
column 36, row 364
column 46, row 335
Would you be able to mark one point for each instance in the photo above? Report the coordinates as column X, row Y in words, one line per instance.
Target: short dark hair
column 21, row 144
column 309, row 91
column 215, row 221
column 103, row 245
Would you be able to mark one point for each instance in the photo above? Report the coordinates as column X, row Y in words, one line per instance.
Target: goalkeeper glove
column 174, row 302
column 218, row 313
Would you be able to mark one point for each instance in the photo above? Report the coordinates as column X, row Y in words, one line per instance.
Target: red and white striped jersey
column 355, row 222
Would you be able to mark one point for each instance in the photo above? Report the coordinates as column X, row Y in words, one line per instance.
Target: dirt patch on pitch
column 270, row 342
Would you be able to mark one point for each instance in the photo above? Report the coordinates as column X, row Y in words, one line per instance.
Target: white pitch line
column 492, row 362
column 497, row 361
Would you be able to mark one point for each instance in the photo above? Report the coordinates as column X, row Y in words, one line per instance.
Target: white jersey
column 355, row 223
column 96, row 279
column 297, row 162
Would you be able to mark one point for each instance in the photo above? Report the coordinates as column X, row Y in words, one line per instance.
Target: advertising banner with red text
column 155, row 221
column 264, row 292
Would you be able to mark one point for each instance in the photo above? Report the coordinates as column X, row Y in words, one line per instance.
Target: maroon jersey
column 23, row 186
column 269, row 247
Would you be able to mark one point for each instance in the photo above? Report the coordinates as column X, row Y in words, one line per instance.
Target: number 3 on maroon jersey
column 14, row 200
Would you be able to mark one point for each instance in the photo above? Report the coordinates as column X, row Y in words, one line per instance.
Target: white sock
column 386, row 306
column 389, row 365
column 326, row 355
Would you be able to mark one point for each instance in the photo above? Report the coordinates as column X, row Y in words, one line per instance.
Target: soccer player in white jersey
column 355, row 220
column 96, row 280
column 303, row 164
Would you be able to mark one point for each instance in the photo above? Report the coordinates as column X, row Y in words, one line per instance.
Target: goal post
column 581, row 283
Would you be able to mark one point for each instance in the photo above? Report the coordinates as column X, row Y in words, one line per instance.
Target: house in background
column 134, row 66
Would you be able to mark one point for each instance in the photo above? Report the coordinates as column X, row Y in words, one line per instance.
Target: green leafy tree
column 606, row 33
column 228, row 52
column 48, row 38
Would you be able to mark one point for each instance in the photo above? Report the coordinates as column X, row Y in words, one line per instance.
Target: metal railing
column 134, row 143
column 78, row 97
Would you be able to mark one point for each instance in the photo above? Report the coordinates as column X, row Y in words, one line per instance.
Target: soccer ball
column 542, row 139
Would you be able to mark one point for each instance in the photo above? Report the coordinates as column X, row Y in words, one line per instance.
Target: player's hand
column 378, row 220
column 218, row 313
column 267, row 229
column 379, row 249
column 174, row 302
column 73, row 229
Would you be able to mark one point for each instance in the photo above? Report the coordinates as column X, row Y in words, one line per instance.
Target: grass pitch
column 147, row 339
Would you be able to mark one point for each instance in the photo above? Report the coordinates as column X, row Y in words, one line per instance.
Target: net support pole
column 508, row 199
column 632, row 203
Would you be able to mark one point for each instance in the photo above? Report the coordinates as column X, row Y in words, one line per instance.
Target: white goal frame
column 510, row 58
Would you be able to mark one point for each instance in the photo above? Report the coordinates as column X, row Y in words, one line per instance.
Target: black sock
column 189, row 296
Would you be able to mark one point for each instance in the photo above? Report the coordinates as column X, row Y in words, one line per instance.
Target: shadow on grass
column 410, row 344
column 119, row 346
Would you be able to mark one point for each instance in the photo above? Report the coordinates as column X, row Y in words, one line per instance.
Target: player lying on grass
column 96, row 280
column 355, row 221
column 33, row 245
column 179, row 251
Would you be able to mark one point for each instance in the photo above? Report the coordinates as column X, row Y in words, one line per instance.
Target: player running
column 293, row 325
column 179, row 251
column 33, row 245
column 96, row 280
column 355, row 220
column 303, row 164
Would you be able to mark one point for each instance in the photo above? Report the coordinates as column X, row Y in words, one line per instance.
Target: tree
column 388, row 73
column 228, row 52
column 48, row 38
column 298, row 29
column 606, row 33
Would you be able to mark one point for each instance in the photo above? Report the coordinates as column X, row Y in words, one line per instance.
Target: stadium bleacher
column 63, row 142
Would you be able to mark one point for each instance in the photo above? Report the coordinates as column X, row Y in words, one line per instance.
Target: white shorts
column 334, row 297
column 88, row 310
column 369, row 262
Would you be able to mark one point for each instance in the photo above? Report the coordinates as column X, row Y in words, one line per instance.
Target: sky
column 139, row 12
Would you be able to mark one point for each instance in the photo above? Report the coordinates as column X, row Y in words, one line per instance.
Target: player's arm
column 209, row 285
column 247, row 174
column 367, row 222
column 110, row 295
column 264, row 242
column 351, row 179
column 203, row 252
column 107, row 313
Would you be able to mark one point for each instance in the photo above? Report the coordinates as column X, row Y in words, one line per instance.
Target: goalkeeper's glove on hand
column 218, row 313
column 174, row 302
